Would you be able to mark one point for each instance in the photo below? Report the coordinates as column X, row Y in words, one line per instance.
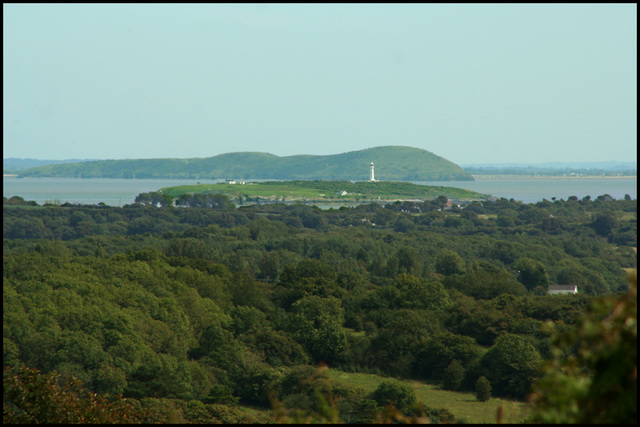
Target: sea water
column 532, row 189
column 119, row 192
column 112, row 192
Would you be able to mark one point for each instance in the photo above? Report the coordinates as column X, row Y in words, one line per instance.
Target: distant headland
column 392, row 163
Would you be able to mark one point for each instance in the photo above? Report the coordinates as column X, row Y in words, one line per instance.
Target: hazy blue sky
column 473, row 83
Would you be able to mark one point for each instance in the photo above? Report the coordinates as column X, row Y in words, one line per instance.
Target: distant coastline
column 118, row 192
column 505, row 176
column 475, row 176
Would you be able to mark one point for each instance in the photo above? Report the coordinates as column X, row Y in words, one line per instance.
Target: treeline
column 548, row 171
column 14, row 165
column 204, row 308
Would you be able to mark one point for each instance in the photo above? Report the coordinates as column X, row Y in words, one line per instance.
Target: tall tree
column 511, row 366
column 316, row 323
column 531, row 273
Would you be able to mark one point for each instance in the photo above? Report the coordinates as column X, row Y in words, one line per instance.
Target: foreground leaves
column 31, row 397
column 593, row 375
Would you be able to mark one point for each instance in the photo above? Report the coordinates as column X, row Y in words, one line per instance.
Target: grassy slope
column 392, row 163
column 327, row 191
column 462, row 405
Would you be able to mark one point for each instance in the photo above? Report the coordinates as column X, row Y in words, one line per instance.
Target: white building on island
column 373, row 177
column 562, row 289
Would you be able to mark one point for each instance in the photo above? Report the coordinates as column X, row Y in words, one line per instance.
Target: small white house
column 563, row 289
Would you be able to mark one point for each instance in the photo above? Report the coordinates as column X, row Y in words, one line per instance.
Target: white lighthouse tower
column 373, row 178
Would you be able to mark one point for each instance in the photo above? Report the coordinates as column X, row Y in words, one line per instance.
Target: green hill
column 13, row 165
column 392, row 163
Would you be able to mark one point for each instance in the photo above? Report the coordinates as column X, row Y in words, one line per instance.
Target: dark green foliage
column 419, row 294
column 588, row 281
column 483, row 389
column 366, row 412
column 25, row 228
column 449, row 262
column 605, row 223
column 486, row 281
column 592, row 376
column 194, row 310
column 276, row 348
column 217, row 345
column 531, row 273
column 504, row 251
column 154, row 198
column 395, row 393
column 404, row 225
column 301, row 380
column 220, row 393
column 308, row 390
column 401, row 335
column 188, row 247
column 511, row 365
column 205, row 200
column 31, row 397
column 316, row 323
column 443, row 349
column 453, row 376
column 18, row 201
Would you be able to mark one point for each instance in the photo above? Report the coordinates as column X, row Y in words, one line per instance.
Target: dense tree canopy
column 210, row 307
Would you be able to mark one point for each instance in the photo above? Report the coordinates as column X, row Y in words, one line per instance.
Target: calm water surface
column 534, row 189
column 119, row 192
column 112, row 192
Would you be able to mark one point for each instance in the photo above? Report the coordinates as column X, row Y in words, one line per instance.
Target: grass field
column 327, row 191
column 464, row 406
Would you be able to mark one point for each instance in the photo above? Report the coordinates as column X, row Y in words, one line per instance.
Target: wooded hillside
column 193, row 314
column 392, row 163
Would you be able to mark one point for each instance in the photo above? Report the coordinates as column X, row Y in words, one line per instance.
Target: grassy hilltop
column 392, row 163
column 325, row 191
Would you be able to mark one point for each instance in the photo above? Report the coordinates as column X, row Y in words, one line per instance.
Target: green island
column 324, row 192
column 393, row 163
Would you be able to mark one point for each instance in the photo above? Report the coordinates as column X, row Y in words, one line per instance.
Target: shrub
column 31, row 397
column 483, row 389
column 453, row 376
column 394, row 393
column 511, row 365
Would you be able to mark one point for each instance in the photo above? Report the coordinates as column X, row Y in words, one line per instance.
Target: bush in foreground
column 32, row 397
column 483, row 389
column 592, row 376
